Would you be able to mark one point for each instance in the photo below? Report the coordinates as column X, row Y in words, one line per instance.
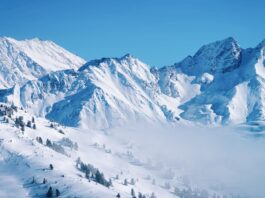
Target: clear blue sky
column 160, row 32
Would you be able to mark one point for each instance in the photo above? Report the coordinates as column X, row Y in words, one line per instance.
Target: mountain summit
column 221, row 84
column 30, row 59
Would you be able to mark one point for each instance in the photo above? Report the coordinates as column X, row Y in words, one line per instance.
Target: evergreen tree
column 33, row 120
column 132, row 192
column 49, row 193
column 48, row 143
column 51, row 166
column 118, row 195
column 57, row 192
column 22, row 128
column 17, row 122
column 29, row 124
column 39, row 139
column 34, row 126
column 33, row 180
column 87, row 173
column 99, row 178
column 125, row 182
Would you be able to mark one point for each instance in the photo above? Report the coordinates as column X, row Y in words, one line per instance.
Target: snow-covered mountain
column 221, row 84
column 101, row 94
column 30, row 59
column 121, row 123
column 231, row 81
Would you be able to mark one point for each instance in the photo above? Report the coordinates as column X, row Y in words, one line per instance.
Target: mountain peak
column 127, row 56
column 261, row 44
column 229, row 39
column 224, row 44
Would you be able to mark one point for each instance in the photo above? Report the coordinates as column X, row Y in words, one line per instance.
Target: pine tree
column 57, row 192
column 125, row 182
column 118, row 195
column 51, row 166
column 33, row 180
column 34, row 126
column 29, row 124
column 17, row 122
column 22, row 128
column 99, row 177
column 39, row 139
column 87, row 174
column 33, row 120
column 132, row 192
column 48, row 143
column 49, row 193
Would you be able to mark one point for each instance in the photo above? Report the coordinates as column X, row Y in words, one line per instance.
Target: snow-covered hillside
column 36, row 154
column 30, row 59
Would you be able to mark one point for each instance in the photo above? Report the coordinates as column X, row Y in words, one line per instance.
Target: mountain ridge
column 109, row 91
column 25, row 60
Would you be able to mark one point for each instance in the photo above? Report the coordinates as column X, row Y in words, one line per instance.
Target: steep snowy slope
column 221, row 84
column 231, row 81
column 101, row 94
column 119, row 89
column 30, row 59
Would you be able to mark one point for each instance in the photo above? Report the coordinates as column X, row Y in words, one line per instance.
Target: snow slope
column 93, row 147
column 30, row 59
column 26, row 161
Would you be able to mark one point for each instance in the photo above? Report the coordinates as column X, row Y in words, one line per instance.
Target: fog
column 219, row 158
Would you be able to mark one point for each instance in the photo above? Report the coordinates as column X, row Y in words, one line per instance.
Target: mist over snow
column 219, row 158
